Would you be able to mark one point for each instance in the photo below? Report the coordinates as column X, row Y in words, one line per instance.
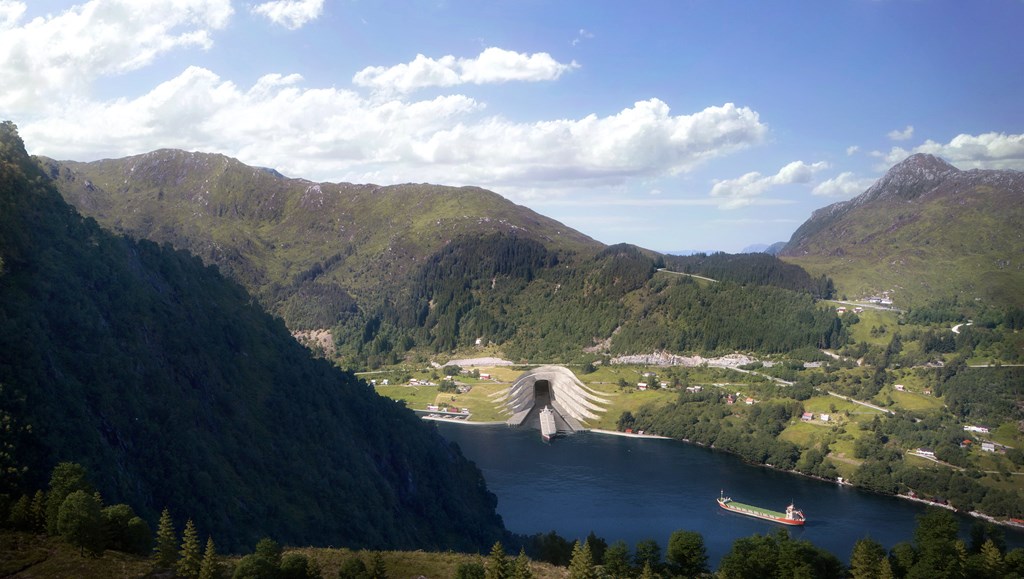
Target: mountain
column 290, row 241
column 925, row 231
column 174, row 389
column 403, row 272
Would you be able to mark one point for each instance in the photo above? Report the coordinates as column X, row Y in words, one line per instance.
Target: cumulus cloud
column 985, row 151
column 903, row 135
column 493, row 65
column 744, row 190
column 340, row 134
column 10, row 12
column 845, row 184
column 292, row 14
column 63, row 55
column 852, row 150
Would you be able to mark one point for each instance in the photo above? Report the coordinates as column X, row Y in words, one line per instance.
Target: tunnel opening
column 541, row 393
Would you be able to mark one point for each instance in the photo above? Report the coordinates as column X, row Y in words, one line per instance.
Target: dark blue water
column 634, row 489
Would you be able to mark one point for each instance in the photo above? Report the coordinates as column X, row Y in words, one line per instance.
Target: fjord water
column 633, row 488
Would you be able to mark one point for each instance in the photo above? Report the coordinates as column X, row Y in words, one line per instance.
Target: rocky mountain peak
column 910, row 178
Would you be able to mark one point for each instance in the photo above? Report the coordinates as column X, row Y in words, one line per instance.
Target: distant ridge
column 924, row 231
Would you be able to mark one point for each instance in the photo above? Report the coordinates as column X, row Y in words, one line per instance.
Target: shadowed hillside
column 170, row 385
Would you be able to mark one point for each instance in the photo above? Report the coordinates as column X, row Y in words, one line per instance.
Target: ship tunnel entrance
column 541, row 393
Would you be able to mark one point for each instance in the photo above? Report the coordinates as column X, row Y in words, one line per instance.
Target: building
column 807, row 416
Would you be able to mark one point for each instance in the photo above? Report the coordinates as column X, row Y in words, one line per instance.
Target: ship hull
column 759, row 513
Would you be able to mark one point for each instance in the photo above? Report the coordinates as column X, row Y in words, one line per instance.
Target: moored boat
column 792, row 516
column 547, row 424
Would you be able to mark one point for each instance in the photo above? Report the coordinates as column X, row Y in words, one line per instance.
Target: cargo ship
column 547, row 424
column 792, row 516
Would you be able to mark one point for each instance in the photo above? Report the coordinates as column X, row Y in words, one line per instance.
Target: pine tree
column 647, row 573
column 992, row 559
column 866, row 560
column 497, row 563
column 20, row 515
column 582, row 564
column 165, row 553
column 37, row 512
column 188, row 560
column 67, row 477
column 521, row 567
column 209, row 568
column 377, row 568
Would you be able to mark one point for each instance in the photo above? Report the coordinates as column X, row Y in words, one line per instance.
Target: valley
column 154, row 308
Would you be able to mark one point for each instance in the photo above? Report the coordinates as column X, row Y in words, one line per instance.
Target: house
column 485, row 376
column 824, row 417
column 663, row 384
column 693, row 389
column 385, row 382
column 641, row 385
column 730, row 399
column 926, row 452
column 748, row 401
column 978, row 429
column 807, row 416
column 840, row 310
column 900, row 387
column 988, row 447
column 858, row 310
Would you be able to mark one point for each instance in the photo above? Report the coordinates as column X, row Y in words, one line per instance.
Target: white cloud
column 745, row 189
column 62, row 55
column 493, row 65
column 10, row 12
column 845, row 184
column 334, row 134
column 582, row 35
column 852, row 150
column 903, row 135
column 985, row 151
column 292, row 14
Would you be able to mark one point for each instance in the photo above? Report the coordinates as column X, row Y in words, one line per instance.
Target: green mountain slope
column 422, row 267
column 925, row 231
column 290, row 241
column 175, row 389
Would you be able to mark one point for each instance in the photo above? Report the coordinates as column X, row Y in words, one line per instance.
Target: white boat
column 547, row 424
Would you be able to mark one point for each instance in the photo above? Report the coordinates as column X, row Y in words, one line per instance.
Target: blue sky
column 674, row 125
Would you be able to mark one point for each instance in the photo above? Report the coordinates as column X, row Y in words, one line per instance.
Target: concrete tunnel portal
column 573, row 402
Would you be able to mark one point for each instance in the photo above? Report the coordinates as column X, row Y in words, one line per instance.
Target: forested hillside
column 175, row 389
column 409, row 271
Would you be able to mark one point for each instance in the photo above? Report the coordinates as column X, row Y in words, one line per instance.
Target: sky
column 675, row 125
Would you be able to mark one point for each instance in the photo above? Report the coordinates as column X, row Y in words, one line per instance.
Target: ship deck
column 751, row 508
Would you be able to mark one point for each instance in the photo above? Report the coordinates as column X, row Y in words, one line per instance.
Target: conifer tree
column 582, row 564
column 37, row 512
column 209, row 568
column 866, row 559
column 497, row 563
column 20, row 516
column 992, row 560
column 165, row 553
column 67, row 477
column 521, row 566
column 189, row 560
column 377, row 568
column 647, row 573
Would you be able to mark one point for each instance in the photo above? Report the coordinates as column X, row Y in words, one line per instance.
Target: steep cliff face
column 925, row 229
column 165, row 380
